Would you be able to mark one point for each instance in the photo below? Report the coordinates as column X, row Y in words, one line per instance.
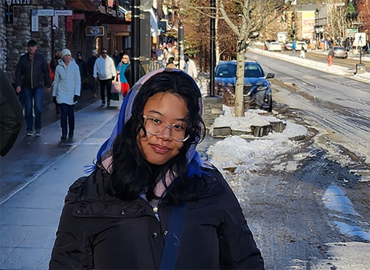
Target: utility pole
column 212, row 53
column 135, row 41
column 180, row 40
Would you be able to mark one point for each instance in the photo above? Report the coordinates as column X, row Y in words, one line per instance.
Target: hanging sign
column 35, row 17
column 62, row 12
column 94, row 31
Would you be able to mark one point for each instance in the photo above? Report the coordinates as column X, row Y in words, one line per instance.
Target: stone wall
column 2, row 37
column 15, row 36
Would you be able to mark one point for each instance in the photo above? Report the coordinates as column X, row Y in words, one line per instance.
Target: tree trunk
column 239, row 85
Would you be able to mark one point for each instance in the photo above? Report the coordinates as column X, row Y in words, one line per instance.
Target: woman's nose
column 167, row 133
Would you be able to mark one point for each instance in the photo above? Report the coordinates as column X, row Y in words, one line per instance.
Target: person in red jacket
column 150, row 201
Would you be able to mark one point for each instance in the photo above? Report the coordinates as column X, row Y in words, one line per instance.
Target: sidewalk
column 29, row 215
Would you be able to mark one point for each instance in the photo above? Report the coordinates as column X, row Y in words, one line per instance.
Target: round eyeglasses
column 156, row 126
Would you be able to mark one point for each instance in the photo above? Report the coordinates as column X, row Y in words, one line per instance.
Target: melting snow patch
column 335, row 200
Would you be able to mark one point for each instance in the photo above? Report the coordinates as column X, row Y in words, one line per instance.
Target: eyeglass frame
column 170, row 127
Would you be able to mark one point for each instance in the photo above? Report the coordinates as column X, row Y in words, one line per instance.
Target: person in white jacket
column 66, row 91
column 189, row 66
column 104, row 72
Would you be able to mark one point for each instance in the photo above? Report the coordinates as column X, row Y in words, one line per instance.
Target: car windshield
column 229, row 71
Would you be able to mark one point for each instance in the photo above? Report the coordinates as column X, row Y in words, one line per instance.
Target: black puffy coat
column 11, row 116
column 97, row 231
column 32, row 74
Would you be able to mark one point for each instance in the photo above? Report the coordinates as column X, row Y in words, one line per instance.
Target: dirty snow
column 246, row 155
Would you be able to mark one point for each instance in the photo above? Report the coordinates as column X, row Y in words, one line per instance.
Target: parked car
column 339, row 52
column 301, row 45
column 257, row 88
column 274, row 46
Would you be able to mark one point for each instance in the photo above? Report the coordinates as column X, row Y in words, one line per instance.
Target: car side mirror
column 270, row 75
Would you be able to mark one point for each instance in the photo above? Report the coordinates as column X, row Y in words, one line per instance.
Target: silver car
column 338, row 52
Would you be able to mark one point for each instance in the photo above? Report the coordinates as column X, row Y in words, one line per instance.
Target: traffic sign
column 360, row 39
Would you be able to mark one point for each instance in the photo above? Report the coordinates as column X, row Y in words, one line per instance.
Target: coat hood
column 104, row 153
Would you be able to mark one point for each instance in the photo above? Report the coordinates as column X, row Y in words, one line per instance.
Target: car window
column 252, row 71
column 226, row 71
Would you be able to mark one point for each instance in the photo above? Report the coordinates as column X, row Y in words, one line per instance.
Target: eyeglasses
column 103, row 52
column 156, row 126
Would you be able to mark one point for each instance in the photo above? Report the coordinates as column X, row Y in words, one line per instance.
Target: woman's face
column 168, row 108
column 67, row 58
column 124, row 59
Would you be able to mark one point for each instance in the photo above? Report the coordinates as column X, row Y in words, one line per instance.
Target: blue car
column 257, row 89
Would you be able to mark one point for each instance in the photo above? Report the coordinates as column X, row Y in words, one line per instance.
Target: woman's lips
column 160, row 149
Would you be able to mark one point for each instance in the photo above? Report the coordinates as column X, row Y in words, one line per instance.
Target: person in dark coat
column 128, row 74
column 83, row 68
column 150, row 200
column 90, row 71
column 11, row 116
column 31, row 76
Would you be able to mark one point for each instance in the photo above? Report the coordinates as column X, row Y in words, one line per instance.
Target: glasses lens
column 156, row 126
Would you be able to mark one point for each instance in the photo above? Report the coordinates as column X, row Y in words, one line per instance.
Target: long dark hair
column 131, row 172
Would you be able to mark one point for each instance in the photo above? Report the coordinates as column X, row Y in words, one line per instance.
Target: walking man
column 104, row 72
column 31, row 75
column 189, row 67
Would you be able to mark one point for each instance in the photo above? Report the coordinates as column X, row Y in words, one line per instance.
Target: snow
column 244, row 155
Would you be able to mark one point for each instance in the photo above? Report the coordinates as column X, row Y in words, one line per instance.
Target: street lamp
column 317, row 26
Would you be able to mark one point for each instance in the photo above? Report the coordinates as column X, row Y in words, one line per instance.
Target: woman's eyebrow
column 160, row 114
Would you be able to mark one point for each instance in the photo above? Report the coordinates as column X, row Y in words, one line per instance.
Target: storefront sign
column 94, row 31
column 19, row 2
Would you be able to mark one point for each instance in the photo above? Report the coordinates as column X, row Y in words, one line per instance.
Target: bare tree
column 245, row 18
column 337, row 19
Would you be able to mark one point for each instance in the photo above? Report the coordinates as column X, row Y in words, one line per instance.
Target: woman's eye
column 178, row 127
column 156, row 120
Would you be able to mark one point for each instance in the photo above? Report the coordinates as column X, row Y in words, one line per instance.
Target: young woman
column 121, row 68
column 151, row 202
column 66, row 91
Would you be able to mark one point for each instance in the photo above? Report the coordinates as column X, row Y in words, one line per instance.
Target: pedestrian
column 31, row 75
column 302, row 54
column 150, row 201
column 11, row 116
column 90, row 70
column 82, row 67
column 116, row 57
column 294, row 45
column 189, row 67
column 104, row 72
column 170, row 63
column 128, row 74
column 53, row 64
column 66, row 91
column 121, row 68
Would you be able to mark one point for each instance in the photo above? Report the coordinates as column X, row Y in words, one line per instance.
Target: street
column 285, row 199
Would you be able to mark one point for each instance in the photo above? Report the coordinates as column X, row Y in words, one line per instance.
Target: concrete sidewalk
column 29, row 215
